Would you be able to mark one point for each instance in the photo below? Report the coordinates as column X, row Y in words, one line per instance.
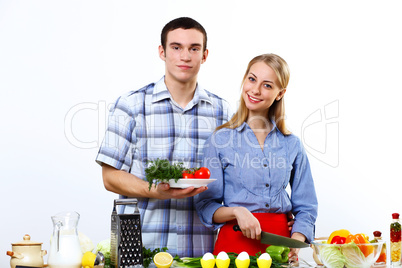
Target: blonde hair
column 277, row 110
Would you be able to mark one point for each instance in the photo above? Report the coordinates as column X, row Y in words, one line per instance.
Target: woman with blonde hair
column 254, row 158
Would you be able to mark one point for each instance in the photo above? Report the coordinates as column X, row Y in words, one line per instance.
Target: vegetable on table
column 104, row 247
column 332, row 257
column 340, row 232
column 354, row 257
column 338, row 240
column 360, row 239
column 278, row 253
column 85, row 242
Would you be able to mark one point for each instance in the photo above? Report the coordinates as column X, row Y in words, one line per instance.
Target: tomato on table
column 202, row 173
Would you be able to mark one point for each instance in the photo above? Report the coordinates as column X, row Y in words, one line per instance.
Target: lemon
column 242, row 260
column 208, row 260
column 88, row 259
column 341, row 233
column 163, row 260
column 222, row 260
column 264, row 261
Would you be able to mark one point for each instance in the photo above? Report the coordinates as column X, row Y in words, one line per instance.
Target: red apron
column 234, row 241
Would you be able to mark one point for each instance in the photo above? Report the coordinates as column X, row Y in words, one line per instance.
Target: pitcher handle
column 57, row 234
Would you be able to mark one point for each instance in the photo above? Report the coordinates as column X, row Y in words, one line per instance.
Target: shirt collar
column 242, row 126
column 161, row 92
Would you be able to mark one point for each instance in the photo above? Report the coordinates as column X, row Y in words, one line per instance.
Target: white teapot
column 27, row 253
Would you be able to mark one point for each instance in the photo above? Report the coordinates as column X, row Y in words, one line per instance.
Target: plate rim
column 190, row 183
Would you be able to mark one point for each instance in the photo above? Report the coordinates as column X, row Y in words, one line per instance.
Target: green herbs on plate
column 161, row 170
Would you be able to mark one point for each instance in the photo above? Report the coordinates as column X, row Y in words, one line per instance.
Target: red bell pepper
column 338, row 240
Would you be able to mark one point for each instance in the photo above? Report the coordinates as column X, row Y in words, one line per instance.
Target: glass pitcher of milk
column 65, row 249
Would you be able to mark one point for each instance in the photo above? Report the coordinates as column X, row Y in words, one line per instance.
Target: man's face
column 183, row 55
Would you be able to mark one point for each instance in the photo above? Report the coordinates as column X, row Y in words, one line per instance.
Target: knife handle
column 236, row 228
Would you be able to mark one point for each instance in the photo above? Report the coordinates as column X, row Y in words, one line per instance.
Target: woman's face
column 261, row 88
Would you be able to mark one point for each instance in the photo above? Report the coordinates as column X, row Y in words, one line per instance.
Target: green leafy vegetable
column 148, row 255
column 104, row 247
column 187, row 262
column 354, row 256
column 332, row 256
column 161, row 170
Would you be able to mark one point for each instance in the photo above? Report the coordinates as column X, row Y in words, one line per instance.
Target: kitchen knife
column 278, row 240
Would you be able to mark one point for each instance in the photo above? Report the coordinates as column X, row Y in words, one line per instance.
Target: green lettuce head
column 354, row 256
column 104, row 247
column 332, row 256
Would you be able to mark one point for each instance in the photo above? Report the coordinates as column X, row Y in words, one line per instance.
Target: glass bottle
column 395, row 240
column 382, row 259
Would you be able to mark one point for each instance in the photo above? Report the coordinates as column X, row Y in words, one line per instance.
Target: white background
column 62, row 63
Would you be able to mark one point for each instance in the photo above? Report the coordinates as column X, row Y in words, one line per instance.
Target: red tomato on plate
column 188, row 175
column 202, row 173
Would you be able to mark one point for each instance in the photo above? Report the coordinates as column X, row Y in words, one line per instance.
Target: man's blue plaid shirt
column 147, row 124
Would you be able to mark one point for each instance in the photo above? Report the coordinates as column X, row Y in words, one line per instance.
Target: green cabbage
column 104, row 247
column 331, row 256
column 85, row 242
column 354, row 256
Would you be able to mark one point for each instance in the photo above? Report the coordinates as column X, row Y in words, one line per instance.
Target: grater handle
column 129, row 201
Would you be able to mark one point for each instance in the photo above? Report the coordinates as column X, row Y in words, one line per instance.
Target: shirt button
column 266, row 205
column 267, row 185
column 265, row 165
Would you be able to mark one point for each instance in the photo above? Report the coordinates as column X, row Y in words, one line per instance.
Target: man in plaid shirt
column 169, row 119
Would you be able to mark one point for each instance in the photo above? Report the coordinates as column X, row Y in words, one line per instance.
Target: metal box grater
column 125, row 240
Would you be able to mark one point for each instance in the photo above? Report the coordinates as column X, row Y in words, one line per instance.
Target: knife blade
column 278, row 240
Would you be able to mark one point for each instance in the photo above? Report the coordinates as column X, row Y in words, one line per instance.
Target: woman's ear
column 280, row 94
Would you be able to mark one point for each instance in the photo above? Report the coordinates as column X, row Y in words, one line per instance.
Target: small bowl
column 347, row 255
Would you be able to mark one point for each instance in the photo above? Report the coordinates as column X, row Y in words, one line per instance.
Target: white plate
column 185, row 183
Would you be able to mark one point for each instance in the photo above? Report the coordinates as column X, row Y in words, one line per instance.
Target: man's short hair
column 182, row 23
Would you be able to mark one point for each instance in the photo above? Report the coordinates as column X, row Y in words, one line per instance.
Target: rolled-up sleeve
column 303, row 198
column 210, row 200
